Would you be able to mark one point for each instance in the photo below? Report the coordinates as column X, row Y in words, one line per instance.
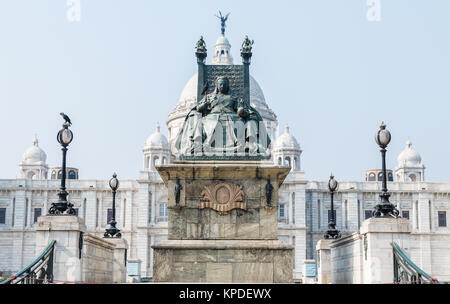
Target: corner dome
column 157, row 140
column 286, row 141
column 34, row 155
column 409, row 156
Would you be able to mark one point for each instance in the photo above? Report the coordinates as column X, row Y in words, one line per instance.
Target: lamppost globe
column 383, row 136
column 332, row 184
column 114, row 182
column 65, row 136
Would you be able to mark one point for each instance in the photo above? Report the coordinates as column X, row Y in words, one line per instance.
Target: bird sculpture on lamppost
column 112, row 231
column 332, row 232
column 384, row 208
column 64, row 137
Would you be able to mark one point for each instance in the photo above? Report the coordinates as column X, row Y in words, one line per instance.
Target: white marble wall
column 301, row 229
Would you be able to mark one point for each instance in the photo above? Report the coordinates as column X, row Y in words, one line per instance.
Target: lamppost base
column 62, row 208
column 332, row 234
column 385, row 210
column 112, row 232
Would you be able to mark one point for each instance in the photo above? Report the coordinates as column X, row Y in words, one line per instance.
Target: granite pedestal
column 222, row 229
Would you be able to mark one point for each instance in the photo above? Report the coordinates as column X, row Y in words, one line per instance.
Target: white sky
column 325, row 69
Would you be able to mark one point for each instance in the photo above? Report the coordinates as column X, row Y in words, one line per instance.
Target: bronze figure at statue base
column 223, row 224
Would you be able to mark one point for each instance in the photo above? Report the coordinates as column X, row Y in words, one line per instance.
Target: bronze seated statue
column 222, row 127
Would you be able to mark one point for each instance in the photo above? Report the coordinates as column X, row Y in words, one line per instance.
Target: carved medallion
column 223, row 197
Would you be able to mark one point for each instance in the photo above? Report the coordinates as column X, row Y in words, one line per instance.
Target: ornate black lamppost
column 112, row 231
column 332, row 232
column 384, row 208
column 64, row 137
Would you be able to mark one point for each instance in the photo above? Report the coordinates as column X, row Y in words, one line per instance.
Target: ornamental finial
column 223, row 20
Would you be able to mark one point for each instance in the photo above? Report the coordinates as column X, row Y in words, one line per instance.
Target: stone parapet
column 120, row 256
column 97, row 259
column 367, row 256
column 66, row 230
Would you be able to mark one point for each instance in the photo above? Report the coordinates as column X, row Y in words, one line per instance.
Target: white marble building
column 142, row 204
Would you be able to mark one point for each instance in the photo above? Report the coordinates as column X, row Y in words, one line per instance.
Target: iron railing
column 40, row 271
column 406, row 272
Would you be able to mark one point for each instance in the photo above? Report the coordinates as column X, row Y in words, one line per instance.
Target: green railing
column 406, row 272
column 40, row 271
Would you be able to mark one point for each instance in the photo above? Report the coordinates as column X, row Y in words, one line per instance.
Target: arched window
column 72, row 174
column 380, row 176
column 164, row 160
column 279, row 161
column 390, row 177
column 155, row 161
column 60, row 174
column 412, row 177
column 287, row 161
column 53, row 174
column 31, row 175
column 372, row 177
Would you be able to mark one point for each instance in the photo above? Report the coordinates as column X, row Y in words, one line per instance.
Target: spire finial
column 158, row 128
column 286, row 128
column 223, row 21
column 35, row 140
column 408, row 143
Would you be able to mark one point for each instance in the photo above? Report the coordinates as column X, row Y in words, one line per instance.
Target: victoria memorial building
column 304, row 205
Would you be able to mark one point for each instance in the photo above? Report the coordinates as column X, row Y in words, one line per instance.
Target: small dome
column 157, row 140
column 222, row 40
column 286, row 141
column 34, row 155
column 409, row 156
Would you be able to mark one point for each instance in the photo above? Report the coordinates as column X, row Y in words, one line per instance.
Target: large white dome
column 409, row 157
column 34, row 155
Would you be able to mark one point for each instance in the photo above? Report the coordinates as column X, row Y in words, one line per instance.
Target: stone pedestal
column 366, row 257
column 222, row 229
column 323, row 261
column 378, row 235
column 66, row 231
column 120, row 263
